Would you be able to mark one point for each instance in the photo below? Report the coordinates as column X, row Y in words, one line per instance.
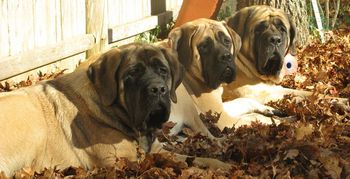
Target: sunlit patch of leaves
column 324, row 67
column 314, row 146
column 11, row 85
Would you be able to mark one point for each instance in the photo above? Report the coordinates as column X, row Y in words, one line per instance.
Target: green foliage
column 155, row 34
column 343, row 17
column 169, row 27
column 344, row 14
column 224, row 12
column 149, row 36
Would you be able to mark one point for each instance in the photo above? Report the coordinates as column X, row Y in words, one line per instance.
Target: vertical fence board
column 44, row 23
column 96, row 24
column 73, row 18
column 146, row 8
column 4, row 34
column 21, row 30
column 80, row 18
column 112, row 9
column 72, row 13
column 58, row 20
column 174, row 5
column 67, row 8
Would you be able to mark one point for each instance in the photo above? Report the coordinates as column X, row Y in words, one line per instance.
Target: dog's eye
column 282, row 29
column 202, row 48
column 205, row 46
column 227, row 41
column 134, row 72
column 261, row 27
column 163, row 71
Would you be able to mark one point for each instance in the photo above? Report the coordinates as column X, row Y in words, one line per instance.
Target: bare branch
column 336, row 14
column 327, row 14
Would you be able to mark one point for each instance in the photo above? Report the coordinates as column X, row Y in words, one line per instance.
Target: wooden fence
column 35, row 33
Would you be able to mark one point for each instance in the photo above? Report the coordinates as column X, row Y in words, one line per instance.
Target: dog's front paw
column 268, row 111
column 242, row 106
column 248, row 119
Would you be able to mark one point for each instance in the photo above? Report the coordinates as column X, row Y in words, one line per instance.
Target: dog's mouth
column 228, row 75
column 157, row 116
column 273, row 65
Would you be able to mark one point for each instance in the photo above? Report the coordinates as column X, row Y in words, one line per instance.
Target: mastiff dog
column 207, row 49
column 106, row 108
column 267, row 35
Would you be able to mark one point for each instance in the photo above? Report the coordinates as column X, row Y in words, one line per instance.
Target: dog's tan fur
column 66, row 122
column 250, row 84
column 194, row 94
column 74, row 121
column 244, row 22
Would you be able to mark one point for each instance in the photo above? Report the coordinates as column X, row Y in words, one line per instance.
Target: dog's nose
column 226, row 57
column 275, row 40
column 157, row 89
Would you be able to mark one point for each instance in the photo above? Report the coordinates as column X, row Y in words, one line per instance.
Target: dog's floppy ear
column 293, row 37
column 102, row 73
column 177, row 71
column 238, row 21
column 236, row 39
column 181, row 41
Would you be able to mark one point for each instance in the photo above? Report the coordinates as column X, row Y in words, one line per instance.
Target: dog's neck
column 88, row 104
column 195, row 85
column 246, row 72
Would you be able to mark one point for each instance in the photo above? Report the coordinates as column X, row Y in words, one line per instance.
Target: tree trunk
column 295, row 8
column 327, row 14
column 337, row 7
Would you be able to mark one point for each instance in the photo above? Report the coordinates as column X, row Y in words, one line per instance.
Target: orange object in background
column 194, row 9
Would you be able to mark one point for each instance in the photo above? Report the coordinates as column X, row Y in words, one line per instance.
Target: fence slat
column 14, row 65
column 130, row 29
column 21, row 29
column 44, row 23
column 4, row 34
column 96, row 24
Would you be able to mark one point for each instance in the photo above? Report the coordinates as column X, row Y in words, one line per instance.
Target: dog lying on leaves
column 268, row 35
column 108, row 107
column 104, row 109
column 207, row 49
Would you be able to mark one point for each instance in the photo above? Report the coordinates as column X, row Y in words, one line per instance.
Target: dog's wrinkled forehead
column 269, row 16
column 207, row 27
column 145, row 54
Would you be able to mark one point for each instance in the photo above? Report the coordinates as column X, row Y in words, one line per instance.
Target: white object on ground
column 290, row 65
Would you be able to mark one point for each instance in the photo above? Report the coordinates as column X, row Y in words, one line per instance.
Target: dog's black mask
column 147, row 94
column 270, row 46
column 217, row 60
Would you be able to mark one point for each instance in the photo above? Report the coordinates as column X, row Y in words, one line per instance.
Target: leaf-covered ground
column 315, row 144
column 324, row 68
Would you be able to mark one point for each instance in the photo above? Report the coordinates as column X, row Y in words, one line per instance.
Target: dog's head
column 140, row 79
column 207, row 49
column 267, row 35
